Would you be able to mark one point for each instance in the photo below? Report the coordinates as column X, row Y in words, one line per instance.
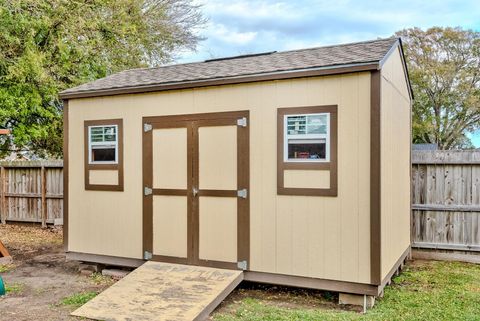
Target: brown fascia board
column 311, row 72
column 398, row 43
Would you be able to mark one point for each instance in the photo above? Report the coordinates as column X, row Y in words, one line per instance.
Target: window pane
column 109, row 130
column 110, row 133
column 317, row 124
column 110, row 138
column 96, row 130
column 104, row 154
column 103, row 134
column 296, row 125
column 96, row 138
column 304, row 149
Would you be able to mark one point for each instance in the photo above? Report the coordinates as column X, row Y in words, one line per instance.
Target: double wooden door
column 196, row 189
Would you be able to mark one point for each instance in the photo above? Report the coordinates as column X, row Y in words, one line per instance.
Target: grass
column 15, row 288
column 4, row 268
column 99, row 279
column 424, row 291
column 79, row 299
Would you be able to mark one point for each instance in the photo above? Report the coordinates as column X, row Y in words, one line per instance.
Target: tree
column 50, row 45
column 444, row 67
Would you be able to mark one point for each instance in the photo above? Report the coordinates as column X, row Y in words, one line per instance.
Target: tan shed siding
column 217, row 157
column 170, row 220
column 218, row 229
column 395, row 162
column 170, row 158
column 107, row 177
column 307, row 178
column 324, row 237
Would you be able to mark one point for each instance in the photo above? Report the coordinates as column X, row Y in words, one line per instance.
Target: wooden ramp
column 3, row 250
column 5, row 257
column 161, row 292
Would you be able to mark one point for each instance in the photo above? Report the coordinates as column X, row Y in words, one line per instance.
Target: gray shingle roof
column 329, row 56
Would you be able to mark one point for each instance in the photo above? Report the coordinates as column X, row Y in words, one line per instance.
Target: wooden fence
column 31, row 191
column 446, row 200
column 445, row 190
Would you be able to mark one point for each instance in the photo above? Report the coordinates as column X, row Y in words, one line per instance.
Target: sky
column 253, row 26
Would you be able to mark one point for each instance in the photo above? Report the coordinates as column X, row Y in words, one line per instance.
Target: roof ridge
column 340, row 45
column 255, row 54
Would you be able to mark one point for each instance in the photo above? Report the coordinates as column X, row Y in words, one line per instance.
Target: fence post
column 44, row 197
column 2, row 196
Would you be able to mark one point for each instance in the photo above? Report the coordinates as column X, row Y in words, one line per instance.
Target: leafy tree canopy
column 50, row 45
column 444, row 67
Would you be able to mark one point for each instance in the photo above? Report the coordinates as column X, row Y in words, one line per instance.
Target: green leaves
column 444, row 67
column 49, row 45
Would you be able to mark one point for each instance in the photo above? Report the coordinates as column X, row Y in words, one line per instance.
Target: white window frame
column 287, row 136
column 112, row 143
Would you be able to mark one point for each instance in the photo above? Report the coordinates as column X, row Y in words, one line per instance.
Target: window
column 103, row 154
column 103, row 144
column 307, row 150
column 307, row 138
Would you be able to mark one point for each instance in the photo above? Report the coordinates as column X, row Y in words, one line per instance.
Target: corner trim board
column 65, row 174
column 375, row 179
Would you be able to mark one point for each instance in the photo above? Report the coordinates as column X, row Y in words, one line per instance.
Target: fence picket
column 446, row 201
column 31, row 191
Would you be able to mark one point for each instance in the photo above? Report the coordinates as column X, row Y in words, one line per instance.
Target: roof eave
column 299, row 73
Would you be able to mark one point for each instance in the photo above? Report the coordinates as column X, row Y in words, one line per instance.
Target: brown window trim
column 331, row 165
column 90, row 167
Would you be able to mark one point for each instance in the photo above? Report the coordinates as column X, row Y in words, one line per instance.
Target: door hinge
column 147, row 127
column 242, row 265
column 242, row 193
column 147, row 255
column 242, row 122
column 147, row 191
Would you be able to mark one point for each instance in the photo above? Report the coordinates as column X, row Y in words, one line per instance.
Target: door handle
column 194, row 191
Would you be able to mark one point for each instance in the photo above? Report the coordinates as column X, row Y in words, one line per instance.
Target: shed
column 293, row 166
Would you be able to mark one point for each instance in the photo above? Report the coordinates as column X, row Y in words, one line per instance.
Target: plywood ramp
column 161, row 292
column 3, row 250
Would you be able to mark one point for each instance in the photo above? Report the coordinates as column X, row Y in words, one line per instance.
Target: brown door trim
column 163, row 123
column 147, row 180
column 243, row 182
column 192, row 122
column 195, row 223
column 193, row 117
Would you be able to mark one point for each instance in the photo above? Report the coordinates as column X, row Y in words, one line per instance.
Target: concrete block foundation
column 366, row 301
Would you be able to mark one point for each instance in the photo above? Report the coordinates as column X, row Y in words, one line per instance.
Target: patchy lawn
column 424, row 291
column 40, row 284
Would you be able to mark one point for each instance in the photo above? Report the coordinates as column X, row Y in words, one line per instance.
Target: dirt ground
column 40, row 276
